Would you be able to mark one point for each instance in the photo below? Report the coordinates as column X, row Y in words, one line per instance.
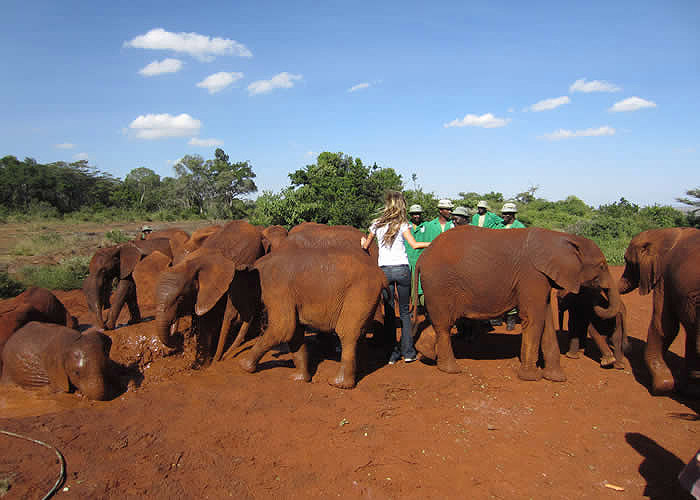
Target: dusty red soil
column 405, row 431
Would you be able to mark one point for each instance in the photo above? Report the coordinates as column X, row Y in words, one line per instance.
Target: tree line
column 336, row 189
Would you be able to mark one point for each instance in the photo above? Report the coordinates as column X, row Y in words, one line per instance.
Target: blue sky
column 596, row 99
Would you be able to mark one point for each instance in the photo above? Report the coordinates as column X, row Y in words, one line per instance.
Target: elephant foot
column 247, row 365
column 426, row 343
column 110, row 325
column 662, row 385
column 619, row 365
column 554, row 374
column 607, row 360
column 342, row 382
column 573, row 354
column 529, row 373
column 133, row 321
column 449, row 366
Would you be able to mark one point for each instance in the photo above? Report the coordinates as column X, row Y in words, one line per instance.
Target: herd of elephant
column 317, row 277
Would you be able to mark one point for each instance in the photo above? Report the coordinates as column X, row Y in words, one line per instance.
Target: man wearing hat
column 484, row 218
column 460, row 216
column 415, row 214
column 145, row 231
column 508, row 213
column 432, row 229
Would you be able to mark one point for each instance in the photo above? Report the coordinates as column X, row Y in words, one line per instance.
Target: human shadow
column 660, row 469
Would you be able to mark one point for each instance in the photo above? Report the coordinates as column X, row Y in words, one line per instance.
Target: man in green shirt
column 415, row 215
column 484, row 218
column 510, row 222
column 434, row 228
column 460, row 216
column 508, row 213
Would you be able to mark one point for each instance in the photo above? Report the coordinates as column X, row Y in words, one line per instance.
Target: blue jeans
column 400, row 276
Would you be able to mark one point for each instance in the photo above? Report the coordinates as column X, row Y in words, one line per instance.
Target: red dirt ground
column 405, row 431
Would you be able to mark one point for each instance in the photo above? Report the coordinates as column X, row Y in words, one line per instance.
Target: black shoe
column 394, row 358
column 510, row 323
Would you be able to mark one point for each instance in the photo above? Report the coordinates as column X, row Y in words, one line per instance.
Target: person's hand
column 363, row 241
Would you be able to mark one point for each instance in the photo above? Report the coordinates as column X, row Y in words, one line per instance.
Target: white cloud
column 548, row 104
column 160, row 67
column 283, row 80
column 165, row 125
column 80, row 156
column 631, row 104
column 485, row 121
column 593, row 86
column 65, row 145
column 589, row 132
column 200, row 46
column 205, row 143
column 219, row 81
column 359, row 86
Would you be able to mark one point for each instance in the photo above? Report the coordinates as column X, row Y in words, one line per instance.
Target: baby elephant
column 583, row 322
column 34, row 304
column 327, row 289
column 40, row 354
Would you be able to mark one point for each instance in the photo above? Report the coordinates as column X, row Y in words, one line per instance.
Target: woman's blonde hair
column 394, row 216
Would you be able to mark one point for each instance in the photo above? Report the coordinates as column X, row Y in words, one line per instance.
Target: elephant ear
column 648, row 259
column 556, row 255
column 55, row 361
column 214, row 277
column 129, row 256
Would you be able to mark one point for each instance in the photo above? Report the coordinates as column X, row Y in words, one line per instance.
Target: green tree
column 693, row 201
column 144, row 183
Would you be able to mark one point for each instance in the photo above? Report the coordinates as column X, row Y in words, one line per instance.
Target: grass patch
column 613, row 249
column 67, row 275
column 116, row 236
column 39, row 244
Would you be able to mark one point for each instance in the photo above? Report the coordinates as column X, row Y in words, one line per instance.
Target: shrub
column 67, row 275
column 8, row 286
column 116, row 237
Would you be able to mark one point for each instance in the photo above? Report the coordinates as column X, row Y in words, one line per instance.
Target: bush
column 8, row 286
column 38, row 245
column 67, row 275
column 116, row 237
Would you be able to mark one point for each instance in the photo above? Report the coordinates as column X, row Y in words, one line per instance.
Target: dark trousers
column 400, row 278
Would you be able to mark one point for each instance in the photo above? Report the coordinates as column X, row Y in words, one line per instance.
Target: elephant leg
column 550, row 349
column 345, row 378
column 282, row 324
column 606, row 355
column 663, row 328
column 578, row 324
column 300, row 352
column 691, row 368
column 125, row 293
column 446, row 361
column 230, row 314
column 242, row 332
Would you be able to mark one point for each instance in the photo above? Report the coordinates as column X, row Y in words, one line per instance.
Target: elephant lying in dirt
column 34, row 304
column 45, row 354
column 327, row 289
column 119, row 262
column 667, row 261
column 481, row 273
column 583, row 322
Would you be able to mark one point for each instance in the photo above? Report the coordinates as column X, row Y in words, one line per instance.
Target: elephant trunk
column 163, row 326
column 627, row 283
column 94, row 296
column 613, row 302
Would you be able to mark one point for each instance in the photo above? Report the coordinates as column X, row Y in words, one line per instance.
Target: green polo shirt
column 490, row 220
column 427, row 231
column 515, row 225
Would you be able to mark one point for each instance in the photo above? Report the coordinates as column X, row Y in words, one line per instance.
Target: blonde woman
column 391, row 230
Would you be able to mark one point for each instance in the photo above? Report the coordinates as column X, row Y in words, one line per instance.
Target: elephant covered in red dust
column 327, row 289
column 667, row 262
column 481, row 273
column 34, row 304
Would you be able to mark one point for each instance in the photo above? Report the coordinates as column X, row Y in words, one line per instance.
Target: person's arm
column 366, row 241
column 408, row 236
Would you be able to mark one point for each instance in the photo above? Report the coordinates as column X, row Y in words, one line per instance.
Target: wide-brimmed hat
column 445, row 203
column 415, row 209
column 145, row 229
column 460, row 211
column 482, row 204
column 509, row 208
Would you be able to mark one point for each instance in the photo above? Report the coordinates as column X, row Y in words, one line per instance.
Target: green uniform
column 427, row 231
column 490, row 220
column 414, row 253
column 515, row 225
